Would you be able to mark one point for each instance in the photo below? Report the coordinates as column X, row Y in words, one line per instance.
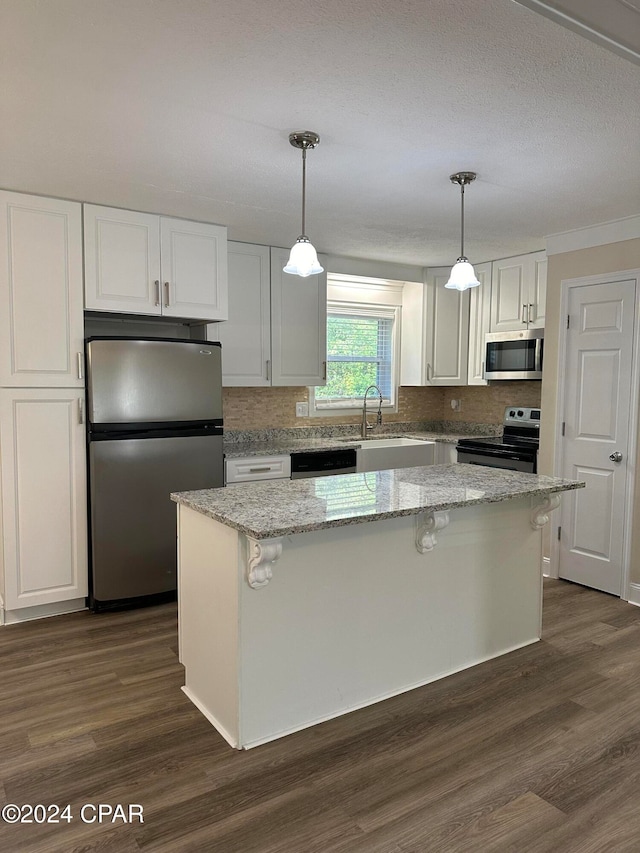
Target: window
column 363, row 318
column 359, row 354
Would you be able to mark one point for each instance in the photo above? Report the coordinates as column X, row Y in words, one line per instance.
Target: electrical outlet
column 302, row 410
column 456, row 405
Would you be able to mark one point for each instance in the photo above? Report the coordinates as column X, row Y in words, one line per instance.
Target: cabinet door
column 121, row 261
column 479, row 318
column 41, row 321
column 44, row 503
column 246, row 335
column 509, row 294
column 538, row 291
column 447, row 331
column 194, row 269
column 298, row 325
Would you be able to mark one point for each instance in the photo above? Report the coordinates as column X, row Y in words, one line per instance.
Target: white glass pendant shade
column 462, row 276
column 303, row 260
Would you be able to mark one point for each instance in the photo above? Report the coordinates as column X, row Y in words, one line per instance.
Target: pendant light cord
column 304, row 184
column 462, row 220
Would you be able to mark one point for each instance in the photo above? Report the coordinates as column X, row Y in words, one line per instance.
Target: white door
column 598, row 395
column 41, row 319
column 298, row 325
column 121, row 260
column 246, row 335
column 194, row 269
column 43, row 483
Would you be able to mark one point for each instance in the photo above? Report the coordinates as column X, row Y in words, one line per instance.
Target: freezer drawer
column 133, row 520
column 140, row 380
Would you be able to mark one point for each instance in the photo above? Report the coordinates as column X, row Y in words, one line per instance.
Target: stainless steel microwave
column 514, row 355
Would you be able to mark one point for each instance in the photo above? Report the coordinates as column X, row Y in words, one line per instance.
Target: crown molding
column 594, row 235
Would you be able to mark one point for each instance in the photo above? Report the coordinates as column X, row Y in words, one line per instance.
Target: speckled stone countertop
column 283, row 446
column 283, row 507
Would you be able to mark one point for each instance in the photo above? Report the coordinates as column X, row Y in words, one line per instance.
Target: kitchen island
column 303, row 600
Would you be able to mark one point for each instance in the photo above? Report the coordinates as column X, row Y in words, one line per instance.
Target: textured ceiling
column 184, row 107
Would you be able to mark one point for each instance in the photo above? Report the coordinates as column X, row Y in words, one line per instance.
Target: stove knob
column 512, row 414
column 520, row 413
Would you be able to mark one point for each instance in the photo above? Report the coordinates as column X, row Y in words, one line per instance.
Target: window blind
column 359, row 354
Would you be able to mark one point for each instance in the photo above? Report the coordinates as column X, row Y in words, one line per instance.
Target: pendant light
column 462, row 273
column 303, row 259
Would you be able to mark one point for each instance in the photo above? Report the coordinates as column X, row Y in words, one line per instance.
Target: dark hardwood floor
column 536, row 752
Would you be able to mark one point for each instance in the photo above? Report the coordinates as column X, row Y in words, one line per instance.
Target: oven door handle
column 497, row 454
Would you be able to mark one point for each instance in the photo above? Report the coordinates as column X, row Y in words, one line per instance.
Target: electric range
column 517, row 447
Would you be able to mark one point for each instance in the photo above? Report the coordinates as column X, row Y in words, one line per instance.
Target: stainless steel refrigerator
column 154, row 417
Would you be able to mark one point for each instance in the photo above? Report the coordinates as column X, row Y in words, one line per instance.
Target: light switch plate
column 302, row 410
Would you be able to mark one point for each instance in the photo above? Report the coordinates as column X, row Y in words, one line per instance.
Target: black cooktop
column 501, row 442
column 521, row 428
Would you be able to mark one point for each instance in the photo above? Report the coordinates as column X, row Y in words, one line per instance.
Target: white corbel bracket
column 428, row 525
column 262, row 555
column 540, row 513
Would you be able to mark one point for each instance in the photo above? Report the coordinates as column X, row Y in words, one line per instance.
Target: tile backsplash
column 273, row 408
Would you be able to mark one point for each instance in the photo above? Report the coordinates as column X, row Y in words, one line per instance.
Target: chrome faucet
column 365, row 426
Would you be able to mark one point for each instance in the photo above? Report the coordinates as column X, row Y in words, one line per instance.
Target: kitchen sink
column 377, row 454
column 393, row 442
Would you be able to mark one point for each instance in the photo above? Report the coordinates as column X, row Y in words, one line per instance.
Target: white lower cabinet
column 43, row 496
column 445, row 452
column 248, row 469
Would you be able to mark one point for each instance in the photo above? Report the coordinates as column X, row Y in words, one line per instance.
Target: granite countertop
column 283, row 446
column 283, row 507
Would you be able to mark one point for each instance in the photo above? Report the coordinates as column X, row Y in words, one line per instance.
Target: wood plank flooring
column 536, row 752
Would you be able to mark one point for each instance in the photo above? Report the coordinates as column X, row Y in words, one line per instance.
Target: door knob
column 616, row 457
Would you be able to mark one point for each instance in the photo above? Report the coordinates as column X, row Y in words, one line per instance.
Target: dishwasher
column 319, row 463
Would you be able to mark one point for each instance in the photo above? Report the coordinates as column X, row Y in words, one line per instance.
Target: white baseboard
column 26, row 614
column 634, row 594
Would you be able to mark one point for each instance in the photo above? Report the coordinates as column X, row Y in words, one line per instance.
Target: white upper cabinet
column 519, row 292
column 246, row 335
column 298, row 325
column 435, row 332
column 43, row 479
column 479, row 317
column 194, row 269
column 41, row 321
column 447, row 338
column 138, row 263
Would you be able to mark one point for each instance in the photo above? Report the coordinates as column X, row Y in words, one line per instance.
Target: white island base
column 353, row 614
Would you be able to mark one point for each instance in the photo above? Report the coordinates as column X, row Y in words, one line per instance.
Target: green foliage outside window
column 358, row 355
